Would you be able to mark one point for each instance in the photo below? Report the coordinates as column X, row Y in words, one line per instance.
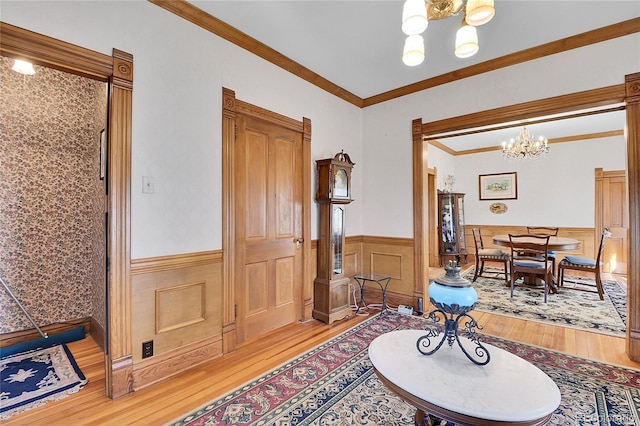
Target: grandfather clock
column 331, row 287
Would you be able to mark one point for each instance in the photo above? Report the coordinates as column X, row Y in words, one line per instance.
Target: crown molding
column 191, row 13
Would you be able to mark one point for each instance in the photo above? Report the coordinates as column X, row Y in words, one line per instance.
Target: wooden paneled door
column 612, row 211
column 268, row 192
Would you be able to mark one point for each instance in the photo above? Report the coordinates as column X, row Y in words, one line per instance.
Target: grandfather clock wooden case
column 331, row 286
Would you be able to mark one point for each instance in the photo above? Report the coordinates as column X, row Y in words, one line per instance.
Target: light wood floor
column 174, row 397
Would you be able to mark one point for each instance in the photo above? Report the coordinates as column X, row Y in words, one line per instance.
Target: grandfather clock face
column 340, row 184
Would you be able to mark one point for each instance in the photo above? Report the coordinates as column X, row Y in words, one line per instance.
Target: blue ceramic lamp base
column 453, row 298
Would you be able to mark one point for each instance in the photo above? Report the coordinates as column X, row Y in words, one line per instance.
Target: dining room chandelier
column 525, row 145
column 416, row 15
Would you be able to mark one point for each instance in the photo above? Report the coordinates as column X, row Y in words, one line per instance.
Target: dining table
column 555, row 244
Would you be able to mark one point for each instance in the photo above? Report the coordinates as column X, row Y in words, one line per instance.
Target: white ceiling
column 357, row 44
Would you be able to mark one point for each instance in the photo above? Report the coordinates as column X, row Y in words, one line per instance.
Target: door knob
column 298, row 242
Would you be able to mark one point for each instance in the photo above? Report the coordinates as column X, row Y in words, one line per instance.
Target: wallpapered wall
column 52, row 233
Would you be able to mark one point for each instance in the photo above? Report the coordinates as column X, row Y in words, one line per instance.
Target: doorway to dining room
column 612, row 212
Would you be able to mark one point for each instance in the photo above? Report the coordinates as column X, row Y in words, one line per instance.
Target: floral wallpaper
column 52, row 202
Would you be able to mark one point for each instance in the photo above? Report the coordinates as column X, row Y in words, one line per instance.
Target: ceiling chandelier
column 416, row 15
column 524, row 145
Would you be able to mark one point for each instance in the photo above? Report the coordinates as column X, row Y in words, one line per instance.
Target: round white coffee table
column 508, row 390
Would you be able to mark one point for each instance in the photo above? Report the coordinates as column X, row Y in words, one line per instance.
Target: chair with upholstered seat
column 489, row 255
column 545, row 230
column 529, row 257
column 574, row 263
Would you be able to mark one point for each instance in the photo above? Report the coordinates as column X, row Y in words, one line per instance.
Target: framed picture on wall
column 103, row 153
column 499, row 186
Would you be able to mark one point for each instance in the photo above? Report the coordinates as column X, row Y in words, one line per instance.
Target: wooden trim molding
column 214, row 25
column 390, row 241
column 119, row 318
column 228, row 221
column 153, row 370
column 421, row 206
column 632, row 89
column 174, row 261
column 50, row 52
column 117, row 70
column 307, row 171
column 628, row 93
column 246, row 108
column 15, row 337
column 599, row 35
column 548, row 106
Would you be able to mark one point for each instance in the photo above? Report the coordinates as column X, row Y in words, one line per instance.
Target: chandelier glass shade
column 413, row 52
column 416, row 15
column 466, row 41
column 525, row 145
column 479, row 12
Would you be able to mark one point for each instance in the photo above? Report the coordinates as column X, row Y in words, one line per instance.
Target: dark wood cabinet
column 331, row 286
column 451, row 230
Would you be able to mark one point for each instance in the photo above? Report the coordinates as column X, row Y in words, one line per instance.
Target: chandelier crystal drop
column 525, row 145
column 416, row 15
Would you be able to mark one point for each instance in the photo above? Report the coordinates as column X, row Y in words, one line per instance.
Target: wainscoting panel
column 177, row 303
column 180, row 306
column 386, row 263
column 392, row 256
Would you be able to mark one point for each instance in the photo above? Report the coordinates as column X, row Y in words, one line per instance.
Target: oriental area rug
column 334, row 384
column 568, row 308
column 30, row 379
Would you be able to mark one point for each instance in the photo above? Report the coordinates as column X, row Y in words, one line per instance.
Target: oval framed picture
column 498, row 208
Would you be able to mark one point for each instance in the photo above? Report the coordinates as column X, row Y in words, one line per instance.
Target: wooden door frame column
column 117, row 71
column 632, row 100
column 421, row 208
column 230, row 107
column 628, row 92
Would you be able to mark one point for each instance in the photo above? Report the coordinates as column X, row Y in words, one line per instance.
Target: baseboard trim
column 97, row 333
column 160, row 367
column 9, row 339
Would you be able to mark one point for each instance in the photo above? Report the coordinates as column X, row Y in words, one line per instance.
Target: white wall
column 179, row 72
column 557, row 190
column 387, row 126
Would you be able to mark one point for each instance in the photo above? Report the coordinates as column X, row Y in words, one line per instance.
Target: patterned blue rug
column 334, row 384
column 29, row 379
column 568, row 308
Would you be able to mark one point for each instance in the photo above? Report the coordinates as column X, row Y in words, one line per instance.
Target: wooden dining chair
column 584, row 264
column 489, row 255
column 545, row 230
column 529, row 256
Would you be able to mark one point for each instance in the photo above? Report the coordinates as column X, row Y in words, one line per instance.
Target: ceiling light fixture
column 413, row 52
column 23, row 67
column 416, row 15
column 524, row 145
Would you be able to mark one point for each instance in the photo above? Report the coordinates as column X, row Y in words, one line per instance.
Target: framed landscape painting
column 499, row 186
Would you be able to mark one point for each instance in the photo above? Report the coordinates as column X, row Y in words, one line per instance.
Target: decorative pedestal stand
column 453, row 297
